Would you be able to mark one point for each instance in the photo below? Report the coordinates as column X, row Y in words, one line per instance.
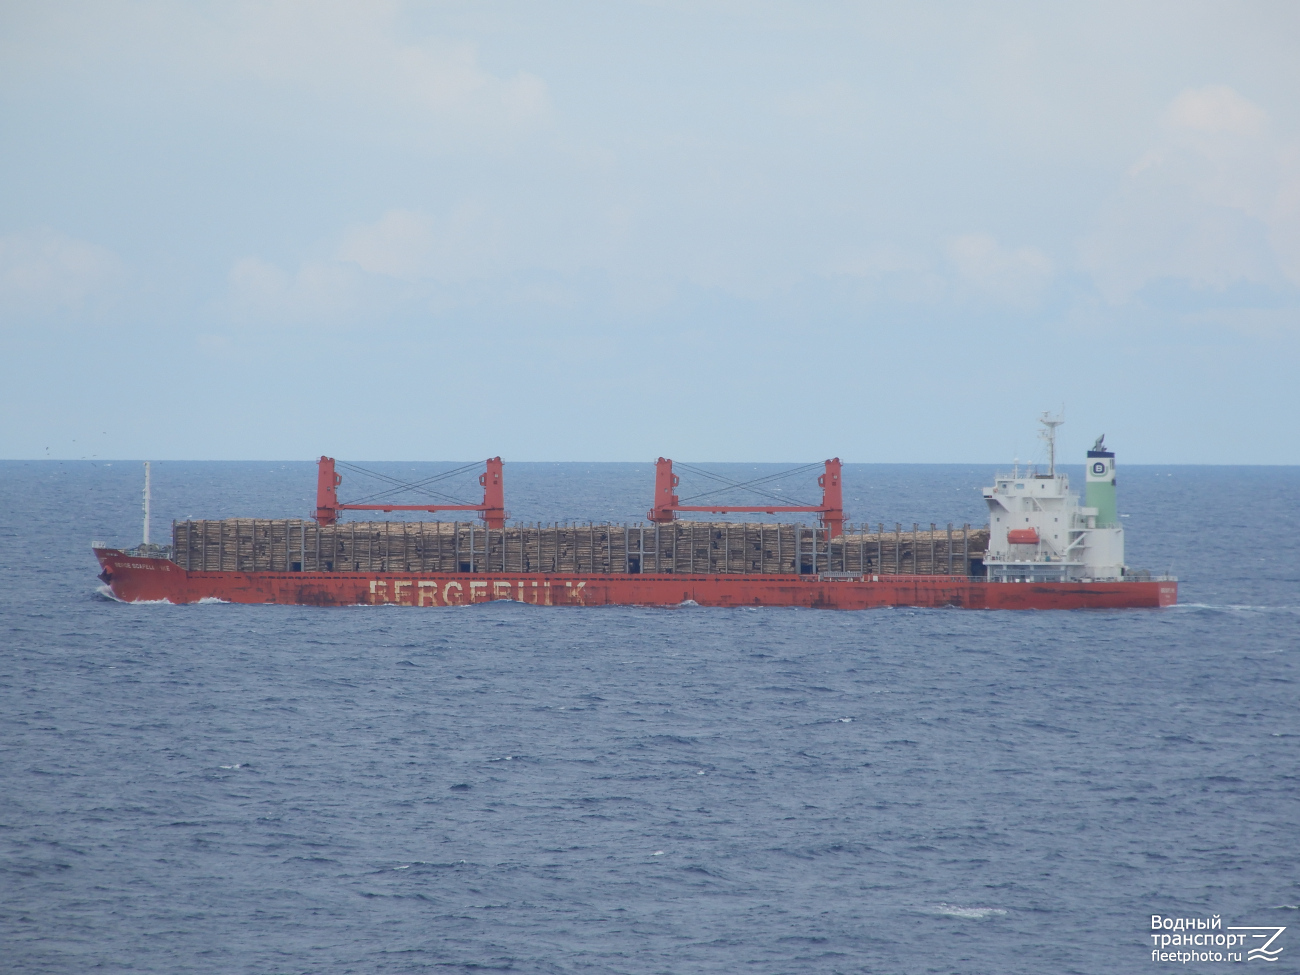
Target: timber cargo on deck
column 1042, row 550
column 713, row 548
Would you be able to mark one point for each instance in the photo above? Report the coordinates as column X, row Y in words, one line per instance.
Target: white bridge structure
column 1038, row 530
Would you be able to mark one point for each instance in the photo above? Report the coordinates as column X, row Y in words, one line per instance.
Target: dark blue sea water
column 265, row 789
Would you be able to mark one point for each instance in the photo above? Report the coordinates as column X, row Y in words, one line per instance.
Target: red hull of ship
column 134, row 579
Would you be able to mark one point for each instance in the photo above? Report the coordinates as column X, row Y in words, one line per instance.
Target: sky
column 758, row 231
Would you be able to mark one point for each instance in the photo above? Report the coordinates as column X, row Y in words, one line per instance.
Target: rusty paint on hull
column 135, row 579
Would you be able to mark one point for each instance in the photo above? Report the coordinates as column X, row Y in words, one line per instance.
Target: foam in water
column 970, row 913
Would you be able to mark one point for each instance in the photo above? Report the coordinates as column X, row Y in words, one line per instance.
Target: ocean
column 262, row 789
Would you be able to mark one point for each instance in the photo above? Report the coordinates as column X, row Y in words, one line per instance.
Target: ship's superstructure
column 1038, row 531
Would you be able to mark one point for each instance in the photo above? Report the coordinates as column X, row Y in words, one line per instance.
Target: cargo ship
column 1042, row 549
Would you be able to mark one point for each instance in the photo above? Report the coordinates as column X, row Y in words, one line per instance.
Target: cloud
column 399, row 245
column 1215, row 110
column 356, row 65
column 355, row 51
column 976, row 265
column 1015, row 276
column 319, row 293
column 1215, row 201
column 44, row 272
column 410, row 245
column 834, row 103
column 401, row 257
column 875, row 262
column 891, row 272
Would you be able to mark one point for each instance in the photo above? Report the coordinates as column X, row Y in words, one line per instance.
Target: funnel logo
column 1262, row 952
column 1099, row 468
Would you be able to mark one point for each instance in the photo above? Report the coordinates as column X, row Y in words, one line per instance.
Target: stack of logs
column 248, row 545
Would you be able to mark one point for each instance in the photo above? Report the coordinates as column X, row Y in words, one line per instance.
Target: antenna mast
column 1049, row 434
column 147, row 499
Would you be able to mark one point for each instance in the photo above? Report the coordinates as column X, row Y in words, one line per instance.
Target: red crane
column 666, row 504
column 492, row 510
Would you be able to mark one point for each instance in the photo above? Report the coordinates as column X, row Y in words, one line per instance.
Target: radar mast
column 1050, row 423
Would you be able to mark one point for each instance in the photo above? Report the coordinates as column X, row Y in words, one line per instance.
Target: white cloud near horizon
column 410, row 245
column 360, row 57
column 44, row 272
column 354, row 51
column 1214, row 202
column 1017, row 276
column 319, row 292
column 394, row 259
column 399, row 245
